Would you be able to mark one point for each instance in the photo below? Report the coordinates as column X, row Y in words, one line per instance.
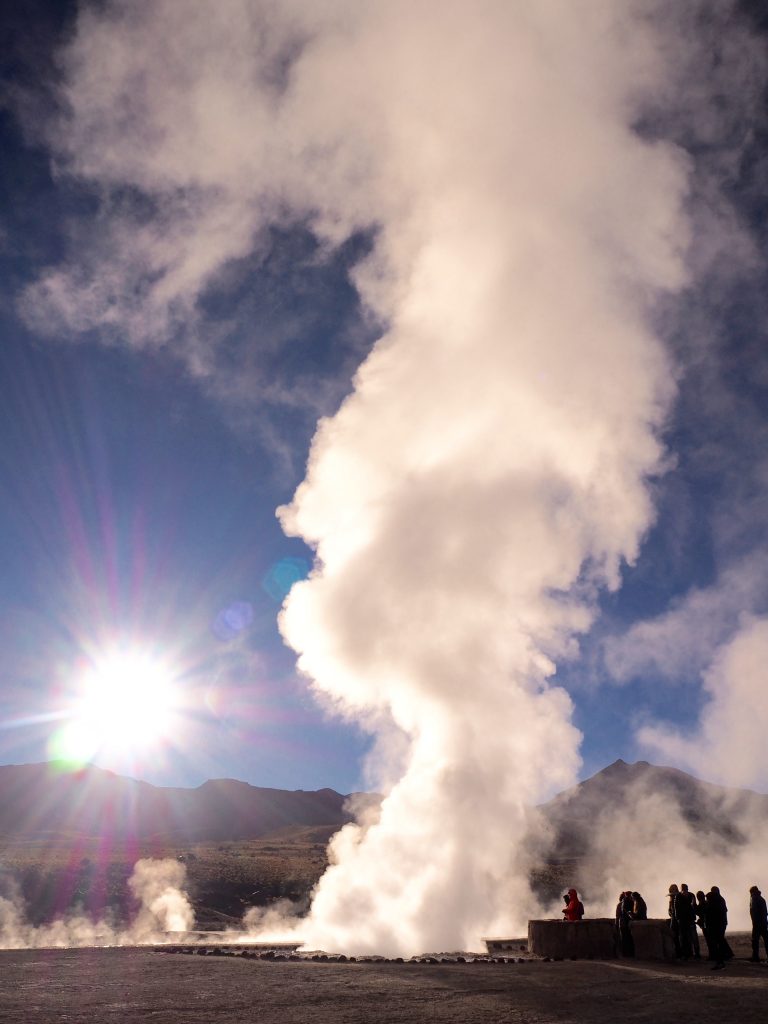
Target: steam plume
column 157, row 884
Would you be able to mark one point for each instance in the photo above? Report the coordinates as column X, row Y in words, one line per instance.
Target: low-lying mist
column 164, row 907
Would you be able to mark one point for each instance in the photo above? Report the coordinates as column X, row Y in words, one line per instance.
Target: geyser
column 488, row 474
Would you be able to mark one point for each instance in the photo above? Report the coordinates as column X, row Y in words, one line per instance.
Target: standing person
column 574, row 911
column 717, row 922
column 673, row 925
column 693, row 935
column 701, row 919
column 682, row 916
column 759, row 914
column 685, row 919
column 623, row 918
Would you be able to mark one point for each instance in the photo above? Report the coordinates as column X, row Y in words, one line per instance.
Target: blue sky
column 146, row 442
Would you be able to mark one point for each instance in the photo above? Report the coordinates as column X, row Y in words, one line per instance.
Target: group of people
column 687, row 912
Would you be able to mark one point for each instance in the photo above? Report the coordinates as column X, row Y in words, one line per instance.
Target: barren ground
column 141, row 985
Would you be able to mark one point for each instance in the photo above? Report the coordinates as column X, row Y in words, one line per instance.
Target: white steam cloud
column 684, row 640
column 489, row 472
column 157, row 884
column 734, row 720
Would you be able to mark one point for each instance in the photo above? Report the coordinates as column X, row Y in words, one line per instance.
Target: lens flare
column 126, row 702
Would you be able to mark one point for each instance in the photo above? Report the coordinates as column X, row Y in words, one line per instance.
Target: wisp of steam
column 157, row 884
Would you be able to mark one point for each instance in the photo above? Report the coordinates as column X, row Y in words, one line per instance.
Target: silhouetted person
column 639, row 908
column 717, row 922
column 759, row 914
column 684, row 917
column 623, row 918
column 693, row 935
column 574, row 911
column 674, row 924
column 701, row 919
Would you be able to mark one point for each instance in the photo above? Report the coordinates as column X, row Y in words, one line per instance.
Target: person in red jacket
column 574, row 911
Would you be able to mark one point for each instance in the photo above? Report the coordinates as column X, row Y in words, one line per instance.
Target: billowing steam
column 732, row 725
column 702, row 835
column 157, row 884
column 488, row 474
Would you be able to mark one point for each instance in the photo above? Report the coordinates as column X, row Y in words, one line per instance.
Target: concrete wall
column 591, row 938
column 653, row 939
column 595, row 938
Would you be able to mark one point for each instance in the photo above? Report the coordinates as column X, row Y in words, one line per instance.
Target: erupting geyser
column 488, row 474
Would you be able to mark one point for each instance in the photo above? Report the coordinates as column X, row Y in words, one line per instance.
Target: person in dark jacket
column 673, row 924
column 623, row 927
column 693, row 935
column 684, row 918
column 759, row 914
column 639, row 908
column 701, row 919
column 717, row 922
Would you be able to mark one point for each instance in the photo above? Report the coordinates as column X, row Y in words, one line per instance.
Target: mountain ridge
column 43, row 800
column 717, row 812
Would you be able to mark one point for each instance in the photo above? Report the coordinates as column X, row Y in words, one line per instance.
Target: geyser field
column 384, row 431
column 73, row 888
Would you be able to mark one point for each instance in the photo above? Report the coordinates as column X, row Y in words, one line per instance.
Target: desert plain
column 132, row 985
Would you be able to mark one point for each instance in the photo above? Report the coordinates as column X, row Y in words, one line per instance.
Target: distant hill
column 719, row 813
column 45, row 801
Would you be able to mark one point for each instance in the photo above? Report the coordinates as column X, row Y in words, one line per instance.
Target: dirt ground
column 142, row 985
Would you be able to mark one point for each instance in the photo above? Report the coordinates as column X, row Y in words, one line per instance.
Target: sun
column 125, row 702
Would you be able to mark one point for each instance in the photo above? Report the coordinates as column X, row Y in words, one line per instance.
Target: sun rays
column 125, row 702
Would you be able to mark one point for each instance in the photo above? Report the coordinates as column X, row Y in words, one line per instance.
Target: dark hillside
column 40, row 801
column 713, row 811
